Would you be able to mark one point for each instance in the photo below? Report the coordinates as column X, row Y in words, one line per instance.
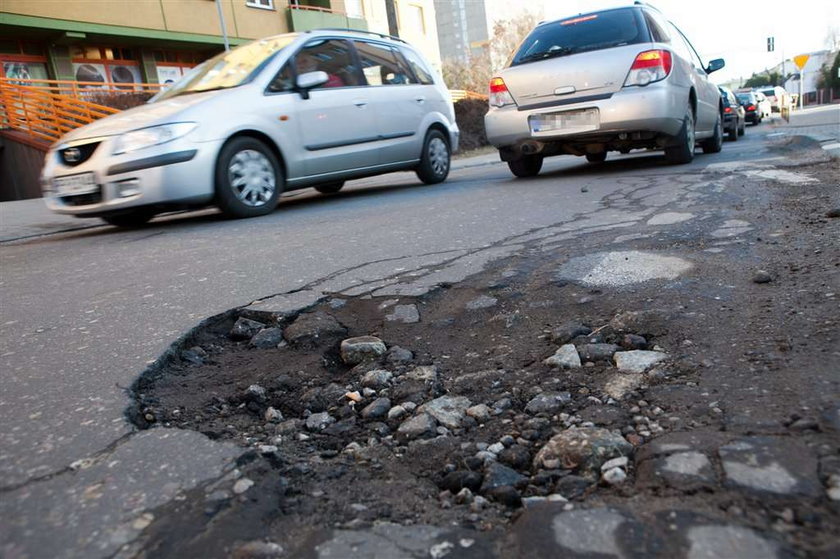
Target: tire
column 248, row 179
column 330, row 187
column 526, row 166
column 130, row 219
column 715, row 143
column 435, row 159
column 599, row 157
column 743, row 129
column 732, row 133
column 683, row 152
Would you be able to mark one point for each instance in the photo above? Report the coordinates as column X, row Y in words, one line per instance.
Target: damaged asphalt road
column 730, row 439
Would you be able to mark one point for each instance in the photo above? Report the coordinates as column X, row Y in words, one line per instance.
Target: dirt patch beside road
column 461, row 421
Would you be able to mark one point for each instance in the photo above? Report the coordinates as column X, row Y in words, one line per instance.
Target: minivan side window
column 333, row 56
column 382, row 66
column 418, row 66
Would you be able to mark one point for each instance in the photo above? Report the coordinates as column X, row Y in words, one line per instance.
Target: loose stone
column 376, row 409
column 319, row 421
column 407, row 314
column 597, row 352
column 637, row 361
column 273, row 416
column 566, row 357
column 267, row 338
column 244, row 328
column 548, row 402
column 312, row 327
column 377, row 379
column 362, row 348
column 614, row 476
column 762, row 276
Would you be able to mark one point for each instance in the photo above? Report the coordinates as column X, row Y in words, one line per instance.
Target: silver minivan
column 309, row 109
column 612, row 80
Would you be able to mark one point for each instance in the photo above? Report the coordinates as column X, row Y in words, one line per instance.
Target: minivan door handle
column 360, row 103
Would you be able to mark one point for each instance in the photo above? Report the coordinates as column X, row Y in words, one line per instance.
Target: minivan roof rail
column 382, row 35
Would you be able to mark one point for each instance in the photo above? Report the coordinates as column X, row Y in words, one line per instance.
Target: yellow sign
column 801, row 60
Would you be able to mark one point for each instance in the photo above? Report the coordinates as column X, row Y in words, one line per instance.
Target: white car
column 310, row 109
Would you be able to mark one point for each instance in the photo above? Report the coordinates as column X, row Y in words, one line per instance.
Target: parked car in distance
column 734, row 121
column 752, row 107
column 308, row 109
column 777, row 96
column 610, row 80
column 763, row 104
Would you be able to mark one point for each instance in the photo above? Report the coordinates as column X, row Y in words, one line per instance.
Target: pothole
column 615, row 269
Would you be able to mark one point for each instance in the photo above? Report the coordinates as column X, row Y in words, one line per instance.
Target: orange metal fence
column 459, row 94
column 48, row 109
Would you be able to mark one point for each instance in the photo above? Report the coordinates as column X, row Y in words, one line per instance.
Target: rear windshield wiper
column 550, row 53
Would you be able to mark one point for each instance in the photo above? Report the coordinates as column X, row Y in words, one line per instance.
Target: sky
column 717, row 28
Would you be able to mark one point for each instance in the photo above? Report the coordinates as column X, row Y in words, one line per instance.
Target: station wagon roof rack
column 381, row 35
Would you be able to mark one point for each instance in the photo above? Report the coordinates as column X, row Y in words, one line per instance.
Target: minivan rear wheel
column 435, row 159
column 526, row 166
column 248, row 178
column 683, row 151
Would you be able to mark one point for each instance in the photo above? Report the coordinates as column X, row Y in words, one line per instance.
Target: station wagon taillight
column 750, row 107
column 727, row 109
column 650, row 66
column 499, row 94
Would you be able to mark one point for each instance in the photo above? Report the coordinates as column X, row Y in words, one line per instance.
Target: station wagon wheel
column 715, row 143
column 435, row 158
column 248, row 178
column 683, row 151
column 330, row 187
column 526, row 166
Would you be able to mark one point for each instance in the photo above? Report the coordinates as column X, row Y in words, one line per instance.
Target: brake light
column 499, row 94
column 750, row 107
column 727, row 109
column 650, row 66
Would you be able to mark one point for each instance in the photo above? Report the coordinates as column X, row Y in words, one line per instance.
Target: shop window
column 101, row 64
column 21, row 60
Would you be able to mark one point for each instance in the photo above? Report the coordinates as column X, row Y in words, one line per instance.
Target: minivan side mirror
column 715, row 65
column 310, row 80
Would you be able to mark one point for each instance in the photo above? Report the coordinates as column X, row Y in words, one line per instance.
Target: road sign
column 801, row 60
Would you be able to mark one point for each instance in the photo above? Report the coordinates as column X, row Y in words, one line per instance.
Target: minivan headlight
column 152, row 136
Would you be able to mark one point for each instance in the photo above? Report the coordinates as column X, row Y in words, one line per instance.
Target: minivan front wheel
column 435, row 158
column 683, row 150
column 248, row 178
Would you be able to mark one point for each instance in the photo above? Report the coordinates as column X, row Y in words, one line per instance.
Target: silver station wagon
column 611, row 80
column 310, row 109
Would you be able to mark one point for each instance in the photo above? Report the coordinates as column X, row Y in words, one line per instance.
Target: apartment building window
column 101, row 64
column 354, row 9
column 415, row 18
column 262, row 4
column 22, row 60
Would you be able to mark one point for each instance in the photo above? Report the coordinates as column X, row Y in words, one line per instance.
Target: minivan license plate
column 582, row 120
column 73, row 185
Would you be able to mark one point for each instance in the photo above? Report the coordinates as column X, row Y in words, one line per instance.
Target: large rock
column 548, row 402
column 420, row 426
column 449, row 411
column 496, row 475
column 376, row 379
column 584, row 448
column 597, row 352
column 362, row 348
column 771, row 465
column 377, row 409
column 313, row 327
column 564, row 358
column 638, row 361
column 650, row 323
column 245, row 328
column 267, row 338
column 407, row 314
column 567, row 332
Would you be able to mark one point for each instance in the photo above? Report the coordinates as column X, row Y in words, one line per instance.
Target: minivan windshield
column 230, row 68
column 582, row 33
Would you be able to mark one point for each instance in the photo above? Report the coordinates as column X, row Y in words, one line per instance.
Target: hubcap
column 251, row 177
column 438, row 156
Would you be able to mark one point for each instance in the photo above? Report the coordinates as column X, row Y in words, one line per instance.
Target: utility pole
column 222, row 23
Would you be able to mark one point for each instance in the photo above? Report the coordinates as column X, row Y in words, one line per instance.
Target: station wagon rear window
column 582, row 33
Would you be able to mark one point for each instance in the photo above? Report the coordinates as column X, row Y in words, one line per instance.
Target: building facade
column 461, row 28
column 123, row 41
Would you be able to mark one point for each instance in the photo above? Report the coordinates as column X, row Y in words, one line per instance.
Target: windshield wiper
column 553, row 52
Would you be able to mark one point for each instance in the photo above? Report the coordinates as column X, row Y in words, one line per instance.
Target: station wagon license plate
column 581, row 120
column 73, row 185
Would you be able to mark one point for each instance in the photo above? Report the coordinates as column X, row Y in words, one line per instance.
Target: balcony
column 304, row 18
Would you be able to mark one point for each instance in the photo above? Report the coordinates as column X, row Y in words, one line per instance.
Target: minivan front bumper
column 175, row 173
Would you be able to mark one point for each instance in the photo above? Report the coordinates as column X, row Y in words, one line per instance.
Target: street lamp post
column 222, row 23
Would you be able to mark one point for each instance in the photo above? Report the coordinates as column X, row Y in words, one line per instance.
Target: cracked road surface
column 85, row 312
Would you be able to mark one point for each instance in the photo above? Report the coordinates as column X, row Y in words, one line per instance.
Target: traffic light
column 770, row 44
